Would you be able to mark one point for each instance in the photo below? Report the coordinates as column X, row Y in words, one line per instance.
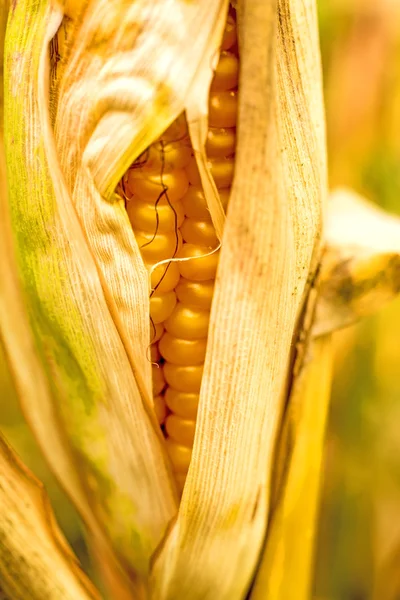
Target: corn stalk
column 75, row 288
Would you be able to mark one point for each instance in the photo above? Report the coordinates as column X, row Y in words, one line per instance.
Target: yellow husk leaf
column 360, row 269
column 82, row 304
column 35, row 560
column 270, row 248
column 286, row 565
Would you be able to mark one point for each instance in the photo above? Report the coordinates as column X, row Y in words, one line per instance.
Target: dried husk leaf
column 16, row 335
column 360, row 270
column 135, row 81
column 359, row 273
column 270, row 248
column 84, row 285
column 35, row 560
column 30, row 377
column 99, row 436
column 286, row 565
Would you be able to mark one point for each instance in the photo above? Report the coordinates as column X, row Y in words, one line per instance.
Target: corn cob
column 170, row 218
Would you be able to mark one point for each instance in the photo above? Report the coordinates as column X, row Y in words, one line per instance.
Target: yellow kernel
column 195, row 293
column 164, row 156
column 222, row 110
column 227, row 72
column 229, row 37
column 224, row 195
column 177, row 131
column 154, row 353
column 165, row 278
column 221, row 170
column 158, row 380
column 152, row 186
column 199, row 232
column 186, row 322
column 194, row 203
column 182, row 352
column 193, row 172
column 180, row 481
column 184, row 378
column 161, row 246
column 201, row 267
column 220, row 142
column 184, row 404
column 156, row 331
column 179, row 455
column 180, row 430
column 155, row 218
column 161, row 306
column 160, row 408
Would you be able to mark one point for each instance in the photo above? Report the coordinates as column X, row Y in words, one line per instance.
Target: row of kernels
column 183, row 345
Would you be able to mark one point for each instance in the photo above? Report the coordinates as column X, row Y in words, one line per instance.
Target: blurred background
column 358, row 550
column 358, row 547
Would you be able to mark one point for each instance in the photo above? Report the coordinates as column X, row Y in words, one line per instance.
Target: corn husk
column 360, row 270
column 35, row 560
column 270, row 245
column 80, row 299
column 286, row 565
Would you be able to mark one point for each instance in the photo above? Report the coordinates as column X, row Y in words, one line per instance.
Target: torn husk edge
column 35, row 559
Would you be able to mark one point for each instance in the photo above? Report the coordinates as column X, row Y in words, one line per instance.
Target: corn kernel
column 189, row 323
column 177, row 130
column 161, row 306
column 194, row 203
column 195, row 293
column 156, row 331
column 164, row 156
column 158, row 380
column 150, row 187
column 180, row 430
column 165, row 277
column 180, row 479
column 221, row 170
column 202, row 267
column 161, row 246
column 229, row 37
column 182, row 352
column 227, row 72
column 184, row 378
column 222, row 109
column 154, row 353
column 184, row 404
column 221, row 142
column 199, row 232
column 160, row 409
column 160, row 218
column 180, row 455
